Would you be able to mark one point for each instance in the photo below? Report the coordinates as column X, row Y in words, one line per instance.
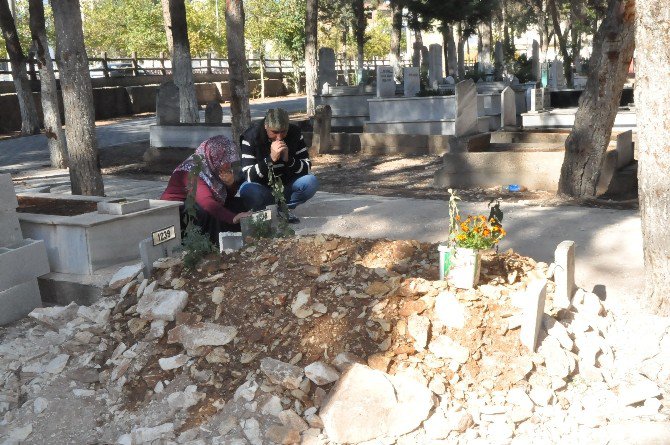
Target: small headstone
column 321, row 134
column 532, row 314
column 535, row 62
column 150, row 253
column 466, row 108
column 213, row 113
column 536, row 100
column 564, row 274
column 508, row 108
column 385, row 81
column 434, row 65
column 167, row 104
column 325, row 89
column 326, row 70
column 450, row 80
column 411, row 82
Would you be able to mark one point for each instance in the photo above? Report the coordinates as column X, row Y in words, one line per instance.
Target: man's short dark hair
column 276, row 119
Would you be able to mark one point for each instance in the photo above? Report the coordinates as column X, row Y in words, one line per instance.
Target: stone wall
column 117, row 101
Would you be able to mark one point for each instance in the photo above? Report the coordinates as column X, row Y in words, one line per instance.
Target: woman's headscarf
column 215, row 152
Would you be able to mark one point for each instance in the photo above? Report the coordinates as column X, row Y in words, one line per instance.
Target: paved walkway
column 31, row 152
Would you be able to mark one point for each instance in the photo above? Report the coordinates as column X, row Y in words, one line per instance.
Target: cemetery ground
column 263, row 345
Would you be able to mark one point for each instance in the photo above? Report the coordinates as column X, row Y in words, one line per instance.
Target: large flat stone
column 185, row 135
column 162, row 304
column 366, row 404
column 10, row 228
column 8, row 200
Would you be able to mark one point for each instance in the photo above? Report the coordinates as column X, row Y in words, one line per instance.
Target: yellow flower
column 464, row 227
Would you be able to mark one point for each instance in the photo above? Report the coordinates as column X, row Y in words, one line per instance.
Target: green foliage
column 277, row 187
column 522, row 69
column 476, row 231
column 22, row 21
column 195, row 242
column 120, row 27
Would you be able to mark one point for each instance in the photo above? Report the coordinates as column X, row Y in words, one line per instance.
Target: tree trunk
column 652, row 91
column 396, row 30
column 53, row 126
column 182, row 67
column 75, row 81
column 167, row 24
column 29, row 120
column 311, row 73
column 461, row 53
column 562, row 43
column 359, row 32
column 585, row 147
column 237, row 68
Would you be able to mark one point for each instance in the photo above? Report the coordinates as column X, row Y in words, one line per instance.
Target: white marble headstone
column 466, row 108
column 536, row 100
column 385, row 81
column 508, row 108
column 411, row 82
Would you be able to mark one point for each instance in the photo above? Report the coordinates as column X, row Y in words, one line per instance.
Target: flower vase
column 465, row 265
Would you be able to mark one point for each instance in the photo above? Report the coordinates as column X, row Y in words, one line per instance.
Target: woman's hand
column 239, row 216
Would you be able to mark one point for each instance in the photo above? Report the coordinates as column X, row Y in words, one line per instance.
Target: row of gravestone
column 168, row 108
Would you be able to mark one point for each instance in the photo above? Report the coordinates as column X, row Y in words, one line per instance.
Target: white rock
column 301, row 306
column 162, row 304
column 144, row 435
column 218, row 295
column 321, row 373
column 541, row 396
column 193, row 336
column 21, row 433
column 449, row 311
column 366, row 404
column 292, row 420
column 252, row 431
column 56, row 365
column 55, row 317
column 444, row 347
column 500, row 431
column 156, row 330
column 141, row 287
column 173, row 362
column 280, row 373
column 558, row 331
column 272, row 407
column 246, row 391
column 418, row 327
column 124, row 275
column 81, row 393
column 185, row 399
column 639, row 390
column 39, row 405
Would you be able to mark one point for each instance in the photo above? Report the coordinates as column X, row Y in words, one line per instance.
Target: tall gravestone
column 411, row 82
column 434, row 65
column 537, row 99
column 535, row 62
column 508, row 108
column 385, row 81
column 326, row 70
column 499, row 57
column 466, row 108
column 167, row 104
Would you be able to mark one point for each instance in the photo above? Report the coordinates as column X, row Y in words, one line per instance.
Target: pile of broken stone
column 451, row 366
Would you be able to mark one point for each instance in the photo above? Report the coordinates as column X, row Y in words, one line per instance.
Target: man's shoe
column 290, row 217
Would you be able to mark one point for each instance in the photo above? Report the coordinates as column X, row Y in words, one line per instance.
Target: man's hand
column 239, row 216
column 279, row 149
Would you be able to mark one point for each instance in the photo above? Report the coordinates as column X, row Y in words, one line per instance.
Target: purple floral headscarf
column 215, row 152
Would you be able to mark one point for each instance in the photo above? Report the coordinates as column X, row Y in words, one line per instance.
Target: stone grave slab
column 167, row 104
column 508, row 108
column 385, row 81
column 466, row 108
column 411, row 81
column 434, row 65
column 564, row 274
column 18, row 301
column 21, row 262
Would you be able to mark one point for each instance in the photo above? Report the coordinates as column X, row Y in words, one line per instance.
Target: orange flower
column 486, row 232
column 464, row 227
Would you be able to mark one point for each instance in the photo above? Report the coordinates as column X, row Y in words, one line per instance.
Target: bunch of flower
column 476, row 232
